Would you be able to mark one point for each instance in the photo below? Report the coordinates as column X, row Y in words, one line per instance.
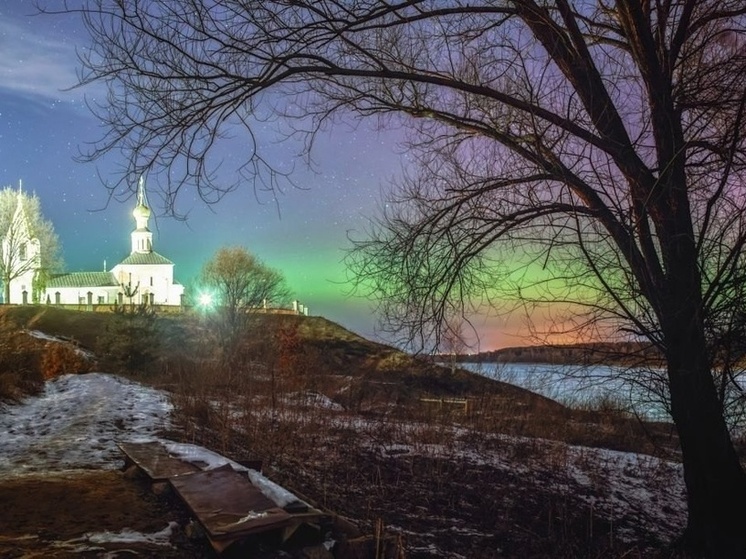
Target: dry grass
column 26, row 362
column 341, row 420
column 369, row 450
column 417, row 471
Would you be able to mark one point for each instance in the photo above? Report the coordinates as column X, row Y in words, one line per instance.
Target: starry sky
column 44, row 125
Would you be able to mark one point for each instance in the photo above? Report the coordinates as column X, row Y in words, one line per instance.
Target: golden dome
column 141, row 211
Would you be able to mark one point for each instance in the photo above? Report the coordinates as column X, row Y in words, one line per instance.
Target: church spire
column 19, row 225
column 142, row 238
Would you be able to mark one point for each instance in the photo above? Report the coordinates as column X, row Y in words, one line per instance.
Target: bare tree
column 604, row 139
column 29, row 243
column 240, row 283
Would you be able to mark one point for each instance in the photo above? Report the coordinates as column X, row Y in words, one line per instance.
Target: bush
column 130, row 342
column 19, row 363
column 60, row 359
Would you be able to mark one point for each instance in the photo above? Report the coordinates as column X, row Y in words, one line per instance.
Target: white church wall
column 80, row 296
column 155, row 279
column 21, row 289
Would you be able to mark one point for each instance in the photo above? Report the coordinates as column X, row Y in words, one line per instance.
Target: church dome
column 141, row 211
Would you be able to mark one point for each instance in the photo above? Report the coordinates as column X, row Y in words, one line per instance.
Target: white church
column 142, row 277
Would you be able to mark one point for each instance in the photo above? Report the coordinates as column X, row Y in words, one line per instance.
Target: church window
column 22, row 251
column 57, row 298
column 151, row 281
column 100, row 299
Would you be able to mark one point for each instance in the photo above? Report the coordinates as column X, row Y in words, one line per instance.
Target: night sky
column 305, row 235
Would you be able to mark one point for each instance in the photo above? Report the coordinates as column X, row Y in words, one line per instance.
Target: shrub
column 130, row 342
column 61, row 359
column 19, row 363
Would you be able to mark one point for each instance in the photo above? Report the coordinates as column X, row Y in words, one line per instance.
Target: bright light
column 205, row 300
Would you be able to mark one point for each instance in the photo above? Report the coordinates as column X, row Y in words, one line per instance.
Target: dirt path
column 61, row 490
column 76, row 422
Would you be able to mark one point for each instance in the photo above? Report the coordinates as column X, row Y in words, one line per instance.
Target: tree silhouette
column 240, row 284
column 603, row 139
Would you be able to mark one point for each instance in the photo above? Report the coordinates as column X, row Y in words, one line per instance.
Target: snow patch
column 313, row 400
column 77, row 421
column 97, row 541
column 39, row 335
column 281, row 496
column 161, row 538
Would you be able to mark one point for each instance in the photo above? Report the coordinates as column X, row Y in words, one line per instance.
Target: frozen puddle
column 76, row 423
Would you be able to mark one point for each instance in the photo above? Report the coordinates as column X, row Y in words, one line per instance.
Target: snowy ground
column 78, row 420
column 71, row 428
column 76, row 423
column 642, row 494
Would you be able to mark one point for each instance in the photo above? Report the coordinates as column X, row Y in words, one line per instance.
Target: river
column 587, row 386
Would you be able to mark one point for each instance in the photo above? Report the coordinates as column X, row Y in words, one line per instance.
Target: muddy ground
column 72, row 514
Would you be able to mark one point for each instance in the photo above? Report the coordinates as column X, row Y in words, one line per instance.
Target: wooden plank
column 154, row 460
column 228, row 506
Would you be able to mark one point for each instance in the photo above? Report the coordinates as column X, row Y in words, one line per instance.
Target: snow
column 270, row 489
column 209, row 460
column 251, row 516
column 127, row 535
column 199, row 456
column 98, row 541
column 39, row 335
column 77, row 421
column 647, row 492
column 313, row 400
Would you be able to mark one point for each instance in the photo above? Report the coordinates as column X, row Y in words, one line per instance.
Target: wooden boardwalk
column 153, row 459
column 224, row 501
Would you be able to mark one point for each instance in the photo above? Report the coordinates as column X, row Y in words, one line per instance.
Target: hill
column 293, row 354
column 374, row 374
column 451, row 461
column 597, row 353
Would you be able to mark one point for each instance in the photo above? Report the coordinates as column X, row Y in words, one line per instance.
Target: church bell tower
column 142, row 238
column 21, row 253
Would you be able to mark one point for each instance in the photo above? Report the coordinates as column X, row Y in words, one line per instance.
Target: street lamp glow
column 205, row 300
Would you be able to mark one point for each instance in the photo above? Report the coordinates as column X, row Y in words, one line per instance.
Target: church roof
column 145, row 258
column 83, row 279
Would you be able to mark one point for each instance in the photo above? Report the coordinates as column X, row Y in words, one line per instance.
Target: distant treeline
column 627, row 353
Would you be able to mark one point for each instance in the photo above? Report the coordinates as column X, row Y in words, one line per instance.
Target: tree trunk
column 6, row 287
column 715, row 481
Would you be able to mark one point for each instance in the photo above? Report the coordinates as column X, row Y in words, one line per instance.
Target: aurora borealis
column 44, row 125
column 304, row 232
